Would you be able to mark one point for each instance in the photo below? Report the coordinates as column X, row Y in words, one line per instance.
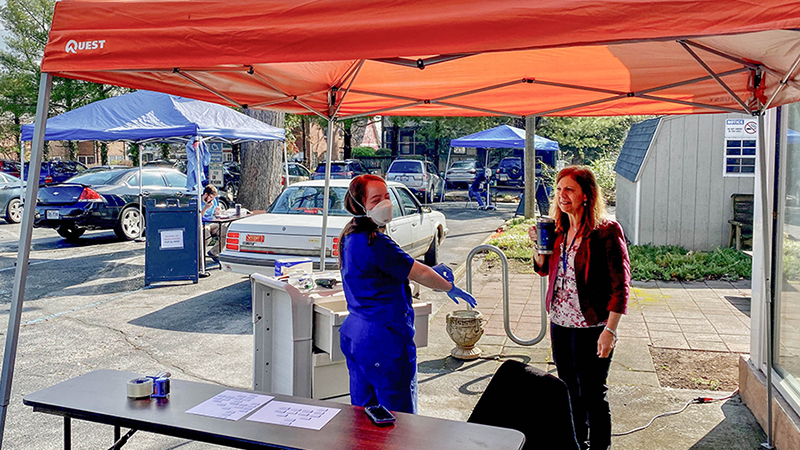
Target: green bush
column 668, row 262
column 603, row 168
column 649, row 262
column 791, row 260
column 360, row 152
column 383, row 152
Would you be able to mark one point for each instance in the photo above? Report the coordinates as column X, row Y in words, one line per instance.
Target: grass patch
column 648, row 262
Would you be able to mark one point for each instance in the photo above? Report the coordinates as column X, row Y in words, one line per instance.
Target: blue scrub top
column 375, row 281
column 209, row 214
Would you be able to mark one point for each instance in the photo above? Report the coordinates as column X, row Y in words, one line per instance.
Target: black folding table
column 100, row 396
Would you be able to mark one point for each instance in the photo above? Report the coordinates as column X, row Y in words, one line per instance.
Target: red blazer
column 602, row 272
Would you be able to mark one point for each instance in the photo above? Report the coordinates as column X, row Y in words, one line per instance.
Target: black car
column 56, row 171
column 511, row 171
column 9, row 167
column 349, row 168
column 107, row 200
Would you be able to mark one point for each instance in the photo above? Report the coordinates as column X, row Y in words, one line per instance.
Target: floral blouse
column 565, row 309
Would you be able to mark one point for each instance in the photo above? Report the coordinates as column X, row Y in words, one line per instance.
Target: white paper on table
column 230, row 405
column 294, row 415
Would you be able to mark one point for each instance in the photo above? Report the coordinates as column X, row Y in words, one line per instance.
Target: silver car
column 462, row 173
column 419, row 176
column 10, row 204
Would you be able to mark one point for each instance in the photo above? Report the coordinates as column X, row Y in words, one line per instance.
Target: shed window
column 740, row 157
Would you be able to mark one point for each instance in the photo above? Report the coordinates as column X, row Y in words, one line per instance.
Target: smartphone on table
column 379, row 415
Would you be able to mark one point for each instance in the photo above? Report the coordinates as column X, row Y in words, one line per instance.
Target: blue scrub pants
column 382, row 364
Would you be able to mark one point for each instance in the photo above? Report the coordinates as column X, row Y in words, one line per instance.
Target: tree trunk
column 261, row 165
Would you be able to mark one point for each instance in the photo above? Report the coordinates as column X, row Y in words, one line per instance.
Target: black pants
column 575, row 355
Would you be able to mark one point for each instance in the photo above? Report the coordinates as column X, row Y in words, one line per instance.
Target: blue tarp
column 146, row 115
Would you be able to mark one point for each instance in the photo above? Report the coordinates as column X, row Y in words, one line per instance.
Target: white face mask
column 381, row 213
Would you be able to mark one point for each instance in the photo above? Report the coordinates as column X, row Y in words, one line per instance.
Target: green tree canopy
column 28, row 24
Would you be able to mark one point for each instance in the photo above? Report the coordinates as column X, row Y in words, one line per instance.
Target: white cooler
column 296, row 338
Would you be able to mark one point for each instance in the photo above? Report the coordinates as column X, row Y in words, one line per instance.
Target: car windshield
column 510, row 162
column 334, row 168
column 406, row 167
column 463, row 165
column 95, row 178
column 309, row 200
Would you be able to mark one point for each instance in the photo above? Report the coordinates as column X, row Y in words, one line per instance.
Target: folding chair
column 524, row 398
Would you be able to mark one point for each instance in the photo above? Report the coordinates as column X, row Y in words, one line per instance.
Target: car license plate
column 503, row 177
column 403, row 178
column 314, row 241
column 53, row 214
column 254, row 238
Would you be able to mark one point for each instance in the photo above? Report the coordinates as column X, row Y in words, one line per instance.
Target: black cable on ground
column 697, row 400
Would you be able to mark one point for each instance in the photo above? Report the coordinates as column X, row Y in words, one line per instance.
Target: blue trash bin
column 171, row 251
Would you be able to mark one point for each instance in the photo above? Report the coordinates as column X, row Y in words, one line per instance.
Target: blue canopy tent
column 505, row 136
column 146, row 116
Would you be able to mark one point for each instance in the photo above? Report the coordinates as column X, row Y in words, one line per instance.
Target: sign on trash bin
column 171, row 251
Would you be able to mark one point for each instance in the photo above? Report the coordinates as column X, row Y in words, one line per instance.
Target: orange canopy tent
column 437, row 57
column 348, row 58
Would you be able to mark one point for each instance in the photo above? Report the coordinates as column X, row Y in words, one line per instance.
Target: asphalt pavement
column 87, row 308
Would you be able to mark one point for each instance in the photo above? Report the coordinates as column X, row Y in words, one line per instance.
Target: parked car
column 107, row 200
column 293, row 224
column 54, row 172
column 511, row 171
column 419, row 176
column 298, row 172
column 9, row 167
column 462, row 173
column 104, row 168
column 349, row 168
column 10, row 204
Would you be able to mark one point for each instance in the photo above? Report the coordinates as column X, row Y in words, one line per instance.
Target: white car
column 293, row 224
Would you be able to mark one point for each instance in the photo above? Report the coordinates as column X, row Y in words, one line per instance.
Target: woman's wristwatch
column 613, row 333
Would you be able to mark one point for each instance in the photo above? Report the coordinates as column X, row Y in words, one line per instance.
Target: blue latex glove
column 454, row 293
column 445, row 272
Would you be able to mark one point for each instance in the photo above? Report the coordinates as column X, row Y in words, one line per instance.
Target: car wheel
column 223, row 203
column 14, row 211
column 69, row 232
column 129, row 225
column 432, row 255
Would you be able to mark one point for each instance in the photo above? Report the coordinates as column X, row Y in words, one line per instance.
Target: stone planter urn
column 465, row 327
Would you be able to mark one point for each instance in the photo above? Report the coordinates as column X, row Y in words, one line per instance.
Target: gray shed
column 676, row 174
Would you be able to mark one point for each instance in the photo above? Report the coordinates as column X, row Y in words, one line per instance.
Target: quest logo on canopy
column 74, row 46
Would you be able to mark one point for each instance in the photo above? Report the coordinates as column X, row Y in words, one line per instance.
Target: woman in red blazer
column 588, row 285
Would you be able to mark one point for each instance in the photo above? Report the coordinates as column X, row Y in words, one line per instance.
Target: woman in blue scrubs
column 377, row 337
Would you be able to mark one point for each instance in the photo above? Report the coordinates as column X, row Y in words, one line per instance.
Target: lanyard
column 564, row 256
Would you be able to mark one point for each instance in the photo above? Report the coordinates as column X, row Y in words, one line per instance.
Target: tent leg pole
column 201, row 237
column 327, row 193
column 285, row 165
column 21, row 272
column 141, row 199
column 530, row 167
column 21, row 170
column 768, row 266
column 446, row 166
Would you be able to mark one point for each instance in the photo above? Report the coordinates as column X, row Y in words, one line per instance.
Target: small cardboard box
column 287, row 266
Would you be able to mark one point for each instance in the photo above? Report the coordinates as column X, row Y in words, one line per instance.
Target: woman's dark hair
column 594, row 209
column 354, row 204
